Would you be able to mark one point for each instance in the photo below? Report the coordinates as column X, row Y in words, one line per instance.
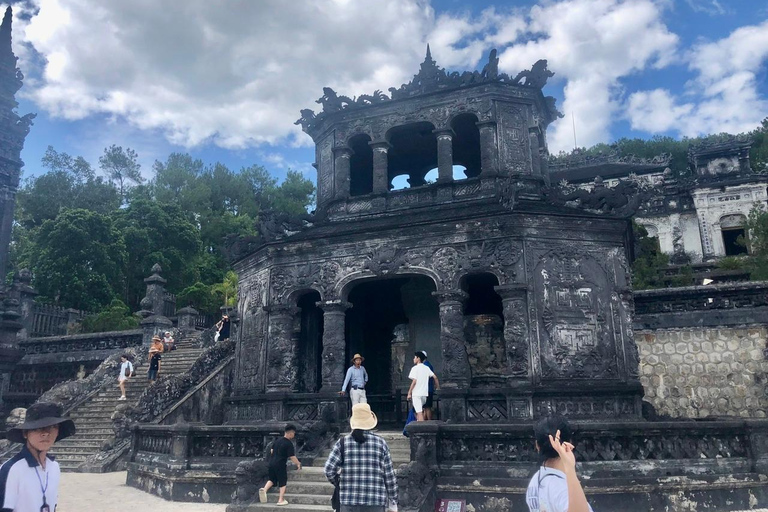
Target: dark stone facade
column 558, row 269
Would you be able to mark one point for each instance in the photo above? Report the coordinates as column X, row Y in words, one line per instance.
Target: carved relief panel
column 325, row 170
column 253, row 325
column 514, row 141
column 576, row 316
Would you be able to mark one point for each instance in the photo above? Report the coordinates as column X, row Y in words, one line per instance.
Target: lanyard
column 45, row 503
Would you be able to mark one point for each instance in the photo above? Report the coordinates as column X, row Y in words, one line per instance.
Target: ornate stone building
column 13, row 131
column 696, row 217
column 520, row 297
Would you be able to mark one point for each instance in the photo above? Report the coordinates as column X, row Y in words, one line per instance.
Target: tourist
column 168, row 342
column 282, row 450
column 29, row 482
column 555, row 486
column 222, row 329
column 428, row 405
column 126, row 372
column 367, row 481
column 357, row 378
column 155, row 354
column 419, row 391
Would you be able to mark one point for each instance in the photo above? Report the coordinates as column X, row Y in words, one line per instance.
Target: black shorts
column 430, row 397
column 278, row 475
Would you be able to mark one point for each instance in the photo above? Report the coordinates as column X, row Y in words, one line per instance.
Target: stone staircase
column 309, row 490
column 92, row 418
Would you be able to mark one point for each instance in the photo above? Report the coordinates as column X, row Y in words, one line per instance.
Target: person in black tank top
column 282, row 450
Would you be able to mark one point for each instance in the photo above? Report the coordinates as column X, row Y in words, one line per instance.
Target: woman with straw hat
column 29, row 482
column 361, row 465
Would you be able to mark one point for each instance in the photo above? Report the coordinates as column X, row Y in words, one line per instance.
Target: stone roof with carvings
column 432, row 78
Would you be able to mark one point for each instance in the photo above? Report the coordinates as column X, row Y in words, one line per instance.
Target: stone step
column 305, row 487
column 273, row 507
column 77, row 450
column 75, row 444
column 322, row 500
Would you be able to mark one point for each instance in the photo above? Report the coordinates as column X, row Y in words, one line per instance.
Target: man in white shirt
column 419, row 390
column 29, row 482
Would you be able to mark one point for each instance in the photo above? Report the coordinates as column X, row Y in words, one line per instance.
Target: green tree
column 78, row 260
column 116, row 317
column 121, row 167
column 227, row 289
column 200, row 297
column 295, row 194
column 647, row 268
column 156, row 233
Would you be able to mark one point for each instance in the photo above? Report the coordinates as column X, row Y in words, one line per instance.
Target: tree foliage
column 91, row 236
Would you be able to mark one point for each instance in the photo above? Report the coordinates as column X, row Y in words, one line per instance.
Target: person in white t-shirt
column 555, row 486
column 126, row 372
column 419, row 390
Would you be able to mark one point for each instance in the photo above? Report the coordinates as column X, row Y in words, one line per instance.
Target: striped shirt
column 367, row 475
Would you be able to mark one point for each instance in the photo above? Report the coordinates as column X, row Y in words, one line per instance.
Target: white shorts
column 122, row 378
column 418, row 402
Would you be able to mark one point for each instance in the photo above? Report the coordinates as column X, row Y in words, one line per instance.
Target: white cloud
column 724, row 95
column 592, row 44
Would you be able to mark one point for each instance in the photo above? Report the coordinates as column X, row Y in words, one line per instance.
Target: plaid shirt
column 367, row 475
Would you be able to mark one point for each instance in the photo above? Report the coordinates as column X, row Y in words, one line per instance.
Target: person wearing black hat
column 29, row 482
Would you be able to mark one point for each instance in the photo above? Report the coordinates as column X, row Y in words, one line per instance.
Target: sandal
column 281, row 503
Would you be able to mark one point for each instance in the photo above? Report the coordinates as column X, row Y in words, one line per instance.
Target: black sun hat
column 41, row 415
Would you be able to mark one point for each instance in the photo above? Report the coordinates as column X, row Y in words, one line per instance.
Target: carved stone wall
column 249, row 354
column 705, row 372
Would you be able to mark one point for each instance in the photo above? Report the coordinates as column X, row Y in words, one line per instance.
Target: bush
column 117, row 317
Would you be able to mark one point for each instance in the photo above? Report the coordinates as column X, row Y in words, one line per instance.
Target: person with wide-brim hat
column 356, row 379
column 367, row 479
column 155, row 354
column 29, row 482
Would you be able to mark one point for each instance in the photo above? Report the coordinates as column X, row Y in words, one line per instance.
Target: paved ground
column 84, row 492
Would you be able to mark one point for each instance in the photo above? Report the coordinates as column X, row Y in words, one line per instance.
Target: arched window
column 360, row 166
column 466, row 145
column 413, row 153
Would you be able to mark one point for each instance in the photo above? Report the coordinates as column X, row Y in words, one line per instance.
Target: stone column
column 281, row 352
column 444, row 155
column 342, row 156
column 514, row 299
column 25, row 294
column 489, row 151
column 333, row 366
column 380, row 167
column 456, row 371
column 10, row 353
column 152, row 307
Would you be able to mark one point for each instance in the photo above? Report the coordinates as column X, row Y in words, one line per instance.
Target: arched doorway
column 389, row 320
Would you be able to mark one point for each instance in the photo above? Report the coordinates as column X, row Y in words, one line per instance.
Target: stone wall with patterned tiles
column 705, row 372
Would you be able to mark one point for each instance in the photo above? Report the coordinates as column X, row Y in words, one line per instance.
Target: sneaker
column 262, row 495
column 122, row 398
column 281, row 503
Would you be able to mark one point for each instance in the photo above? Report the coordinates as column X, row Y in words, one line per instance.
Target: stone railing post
column 186, row 318
column 154, row 301
column 333, row 366
column 181, row 444
column 342, row 160
column 281, row 353
column 444, row 155
column 514, row 299
column 380, row 167
column 25, row 294
column 489, row 152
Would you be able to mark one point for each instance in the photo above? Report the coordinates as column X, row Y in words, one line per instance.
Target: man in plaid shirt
column 367, row 479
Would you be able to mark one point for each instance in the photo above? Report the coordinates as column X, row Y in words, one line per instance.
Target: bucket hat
column 362, row 417
column 41, row 415
column 362, row 359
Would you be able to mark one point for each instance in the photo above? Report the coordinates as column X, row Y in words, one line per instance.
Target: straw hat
column 362, row 417
column 356, row 356
column 41, row 415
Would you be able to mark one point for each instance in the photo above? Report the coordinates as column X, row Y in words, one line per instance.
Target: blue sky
column 224, row 81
